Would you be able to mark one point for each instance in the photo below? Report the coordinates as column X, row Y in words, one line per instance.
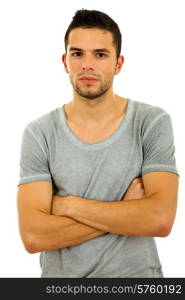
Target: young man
column 98, row 178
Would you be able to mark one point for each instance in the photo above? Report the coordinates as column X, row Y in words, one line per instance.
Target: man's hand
column 135, row 190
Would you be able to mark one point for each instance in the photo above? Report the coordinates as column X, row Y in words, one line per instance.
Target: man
column 98, row 178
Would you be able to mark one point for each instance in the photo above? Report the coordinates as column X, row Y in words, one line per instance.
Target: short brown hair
column 95, row 19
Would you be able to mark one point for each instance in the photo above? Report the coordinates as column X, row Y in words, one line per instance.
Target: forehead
column 90, row 37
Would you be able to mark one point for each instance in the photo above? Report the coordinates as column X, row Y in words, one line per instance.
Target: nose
column 87, row 64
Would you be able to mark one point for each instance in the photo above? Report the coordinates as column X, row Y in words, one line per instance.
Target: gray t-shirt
column 142, row 143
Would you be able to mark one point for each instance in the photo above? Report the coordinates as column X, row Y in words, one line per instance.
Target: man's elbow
column 165, row 226
column 29, row 243
column 35, row 244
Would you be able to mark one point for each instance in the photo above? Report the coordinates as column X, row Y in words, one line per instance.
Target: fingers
column 135, row 190
column 138, row 181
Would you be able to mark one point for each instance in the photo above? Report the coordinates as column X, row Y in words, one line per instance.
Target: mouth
column 89, row 79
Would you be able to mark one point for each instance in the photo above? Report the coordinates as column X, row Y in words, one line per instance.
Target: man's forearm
column 133, row 217
column 53, row 232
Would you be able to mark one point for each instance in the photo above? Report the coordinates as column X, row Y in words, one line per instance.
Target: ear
column 64, row 62
column 119, row 64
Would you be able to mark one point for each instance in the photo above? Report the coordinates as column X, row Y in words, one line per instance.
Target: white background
column 33, row 83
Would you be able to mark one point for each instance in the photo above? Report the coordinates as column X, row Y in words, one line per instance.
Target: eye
column 76, row 54
column 100, row 55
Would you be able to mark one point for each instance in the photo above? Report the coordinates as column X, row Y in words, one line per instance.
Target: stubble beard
column 90, row 95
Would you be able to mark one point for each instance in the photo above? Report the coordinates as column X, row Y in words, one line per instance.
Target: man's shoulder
column 44, row 123
column 150, row 118
column 146, row 110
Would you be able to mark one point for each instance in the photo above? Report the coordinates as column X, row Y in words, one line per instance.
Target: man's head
column 93, row 45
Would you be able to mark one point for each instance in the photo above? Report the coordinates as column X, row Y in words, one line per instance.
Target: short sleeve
column 158, row 146
column 33, row 157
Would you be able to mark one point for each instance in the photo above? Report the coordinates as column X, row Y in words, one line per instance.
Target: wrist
column 73, row 204
column 60, row 205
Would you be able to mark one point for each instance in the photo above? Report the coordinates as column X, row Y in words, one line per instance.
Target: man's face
column 91, row 61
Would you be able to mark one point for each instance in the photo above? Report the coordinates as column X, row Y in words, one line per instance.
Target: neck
column 94, row 111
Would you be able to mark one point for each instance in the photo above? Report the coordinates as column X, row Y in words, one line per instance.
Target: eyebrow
column 102, row 50
column 95, row 50
column 74, row 48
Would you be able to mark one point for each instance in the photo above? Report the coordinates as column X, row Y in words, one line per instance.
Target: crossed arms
column 48, row 222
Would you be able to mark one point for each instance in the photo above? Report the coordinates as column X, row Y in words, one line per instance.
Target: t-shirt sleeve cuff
column 159, row 168
column 33, row 178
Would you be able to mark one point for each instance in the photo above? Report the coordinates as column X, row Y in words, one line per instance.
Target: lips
column 89, row 79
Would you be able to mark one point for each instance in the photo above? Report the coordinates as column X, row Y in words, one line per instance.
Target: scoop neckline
column 107, row 141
